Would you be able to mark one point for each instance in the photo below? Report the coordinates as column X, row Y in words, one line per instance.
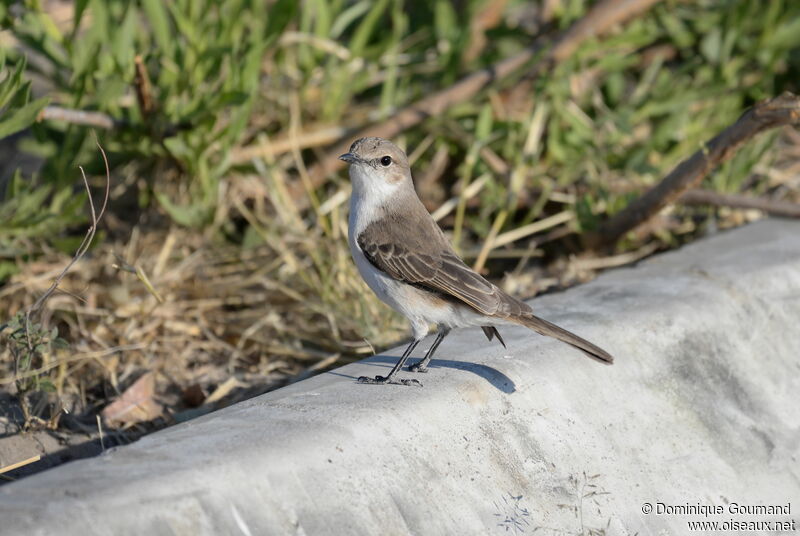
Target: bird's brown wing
column 433, row 266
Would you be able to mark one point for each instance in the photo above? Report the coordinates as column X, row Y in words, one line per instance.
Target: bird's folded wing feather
column 443, row 273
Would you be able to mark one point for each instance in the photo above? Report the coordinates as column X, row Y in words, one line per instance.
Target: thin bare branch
column 601, row 263
column 108, row 177
column 770, row 206
column 769, row 114
column 87, row 239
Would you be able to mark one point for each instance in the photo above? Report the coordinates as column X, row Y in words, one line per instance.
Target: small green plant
column 31, row 346
column 27, row 210
column 17, row 110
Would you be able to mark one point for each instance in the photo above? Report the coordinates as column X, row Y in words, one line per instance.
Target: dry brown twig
column 144, row 90
column 87, row 240
column 599, row 20
column 768, row 114
column 770, row 206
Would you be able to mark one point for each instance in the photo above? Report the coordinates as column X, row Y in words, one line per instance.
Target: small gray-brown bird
column 406, row 260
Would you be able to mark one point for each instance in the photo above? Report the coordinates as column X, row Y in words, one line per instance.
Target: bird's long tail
column 543, row 327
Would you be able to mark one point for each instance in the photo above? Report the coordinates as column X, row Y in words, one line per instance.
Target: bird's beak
column 350, row 158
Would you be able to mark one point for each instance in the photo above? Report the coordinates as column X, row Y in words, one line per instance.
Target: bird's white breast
column 362, row 213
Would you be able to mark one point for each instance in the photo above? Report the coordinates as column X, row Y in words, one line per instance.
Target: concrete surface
column 701, row 409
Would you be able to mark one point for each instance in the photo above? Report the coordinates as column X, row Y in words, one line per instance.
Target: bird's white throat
column 371, row 193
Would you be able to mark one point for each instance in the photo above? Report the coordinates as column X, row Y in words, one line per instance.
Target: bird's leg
column 422, row 366
column 390, row 377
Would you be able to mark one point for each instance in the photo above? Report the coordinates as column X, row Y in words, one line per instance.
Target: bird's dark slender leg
column 390, row 377
column 422, row 366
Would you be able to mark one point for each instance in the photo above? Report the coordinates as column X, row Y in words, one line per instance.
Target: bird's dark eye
column 386, row 161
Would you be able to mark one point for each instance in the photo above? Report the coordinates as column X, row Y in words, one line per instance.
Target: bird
column 408, row 262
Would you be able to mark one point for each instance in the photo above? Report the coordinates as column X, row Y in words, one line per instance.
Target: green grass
column 226, row 74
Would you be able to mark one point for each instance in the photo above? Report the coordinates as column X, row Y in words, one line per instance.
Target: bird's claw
column 382, row 380
column 418, row 367
column 367, row 379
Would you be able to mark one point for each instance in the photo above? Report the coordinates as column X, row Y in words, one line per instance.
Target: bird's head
column 377, row 167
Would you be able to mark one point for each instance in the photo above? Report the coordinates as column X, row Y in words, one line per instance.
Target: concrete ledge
column 701, row 407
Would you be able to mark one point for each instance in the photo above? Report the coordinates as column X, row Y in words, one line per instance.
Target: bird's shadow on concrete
column 496, row 378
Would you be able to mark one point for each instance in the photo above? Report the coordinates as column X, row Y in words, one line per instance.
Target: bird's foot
column 383, row 380
column 418, row 367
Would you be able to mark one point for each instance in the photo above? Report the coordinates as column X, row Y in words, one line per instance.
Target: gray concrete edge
column 701, row 407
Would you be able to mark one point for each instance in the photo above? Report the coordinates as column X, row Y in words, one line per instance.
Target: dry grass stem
column 544, row 224
column 22, row 463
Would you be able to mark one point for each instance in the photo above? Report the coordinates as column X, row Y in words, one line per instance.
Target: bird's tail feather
column 544, row 327
column 490, row 332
